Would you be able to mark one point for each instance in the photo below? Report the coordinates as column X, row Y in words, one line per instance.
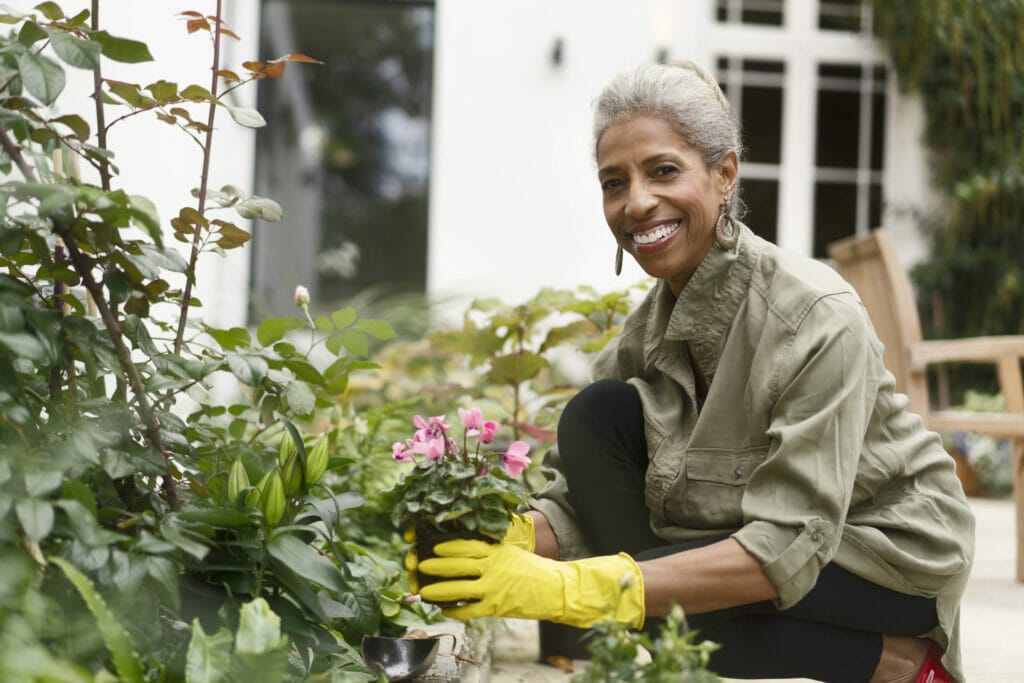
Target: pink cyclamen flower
column 472, row 420
column 432, row 448
column 400, row 453
column 487, row 431
column 515, row 459
column 438, row 422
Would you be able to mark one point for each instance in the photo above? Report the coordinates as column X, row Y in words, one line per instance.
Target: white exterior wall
column 514, row 201
column 159, row 161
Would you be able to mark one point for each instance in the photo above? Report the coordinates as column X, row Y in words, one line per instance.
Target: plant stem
column 124, row 357
column 97, row 96
column 190, row 274
column 14, row 151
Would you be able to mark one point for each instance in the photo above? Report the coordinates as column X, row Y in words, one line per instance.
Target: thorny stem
column 203, row 180
column 125, row 358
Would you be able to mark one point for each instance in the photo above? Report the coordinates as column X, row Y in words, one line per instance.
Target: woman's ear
column 728, row 173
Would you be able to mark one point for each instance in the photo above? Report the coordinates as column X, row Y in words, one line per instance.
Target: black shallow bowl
column 400, row 659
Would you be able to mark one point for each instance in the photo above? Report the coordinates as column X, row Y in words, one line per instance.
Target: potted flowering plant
column 457, row 488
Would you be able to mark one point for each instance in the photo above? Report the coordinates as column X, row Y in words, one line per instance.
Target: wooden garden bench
column 871, row 265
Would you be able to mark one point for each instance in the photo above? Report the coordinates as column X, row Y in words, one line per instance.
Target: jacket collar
column 705, row 309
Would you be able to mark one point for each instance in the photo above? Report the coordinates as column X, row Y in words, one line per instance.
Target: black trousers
column 833, row 634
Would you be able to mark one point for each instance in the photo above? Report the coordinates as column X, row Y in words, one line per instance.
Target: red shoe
column 932, row 670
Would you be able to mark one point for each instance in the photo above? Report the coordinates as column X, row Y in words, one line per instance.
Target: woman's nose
column 640, row 201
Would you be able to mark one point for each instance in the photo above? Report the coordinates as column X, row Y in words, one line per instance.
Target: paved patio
column 992, row 619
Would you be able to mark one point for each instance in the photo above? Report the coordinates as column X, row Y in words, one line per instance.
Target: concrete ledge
column 470, row 661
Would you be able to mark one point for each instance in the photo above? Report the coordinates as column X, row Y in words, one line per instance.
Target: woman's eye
column 611, row 184
column 665, row 170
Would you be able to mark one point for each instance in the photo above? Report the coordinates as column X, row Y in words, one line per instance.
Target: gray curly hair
column 683, row 94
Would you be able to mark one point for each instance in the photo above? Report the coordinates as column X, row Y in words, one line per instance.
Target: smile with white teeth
column 655, row 234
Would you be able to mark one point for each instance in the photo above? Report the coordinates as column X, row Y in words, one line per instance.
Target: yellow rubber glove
column 515, row 583
column 520, row 533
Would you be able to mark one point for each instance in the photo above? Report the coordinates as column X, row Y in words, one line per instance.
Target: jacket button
column 737, row 473
column 816, row 537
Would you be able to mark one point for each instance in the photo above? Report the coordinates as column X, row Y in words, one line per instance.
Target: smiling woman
column 742, row 452
column 660, row 200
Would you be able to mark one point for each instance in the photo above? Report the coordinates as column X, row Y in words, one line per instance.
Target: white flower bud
column 301, row 296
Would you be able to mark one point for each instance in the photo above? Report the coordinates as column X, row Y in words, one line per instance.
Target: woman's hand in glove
column 510, row 581
column 520, row 533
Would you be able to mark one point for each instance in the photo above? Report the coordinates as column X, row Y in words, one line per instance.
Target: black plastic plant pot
column 560, row 640
column 427, row 537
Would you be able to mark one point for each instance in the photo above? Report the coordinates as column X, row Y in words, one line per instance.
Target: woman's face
column 660, row 200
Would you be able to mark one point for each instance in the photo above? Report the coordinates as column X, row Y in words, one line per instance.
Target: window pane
column 875, row 206
column 838, row 128
column 840, row 15
column 347, row 149
column 762, row 200
column 762, row 124
column 759, row 12
column 835, row 214
column 877, row 130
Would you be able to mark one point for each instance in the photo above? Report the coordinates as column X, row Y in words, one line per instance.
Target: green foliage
column 966, row 60
column 674, row 654
column 149, row 510
column 509, row 351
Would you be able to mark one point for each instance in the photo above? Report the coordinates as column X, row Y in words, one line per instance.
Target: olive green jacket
column 802, row 451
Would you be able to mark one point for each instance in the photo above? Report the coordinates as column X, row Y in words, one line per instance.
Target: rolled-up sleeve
column 552, row 502
column 796, row 501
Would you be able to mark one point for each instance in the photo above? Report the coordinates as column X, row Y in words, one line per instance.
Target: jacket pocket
column 708, row 493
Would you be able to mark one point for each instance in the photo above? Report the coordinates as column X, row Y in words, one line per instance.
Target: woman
column 742, row 452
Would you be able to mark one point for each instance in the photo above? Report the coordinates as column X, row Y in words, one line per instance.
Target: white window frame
column 801, row 46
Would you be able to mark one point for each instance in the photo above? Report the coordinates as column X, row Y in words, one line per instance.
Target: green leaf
column 259, row 629
column 77, row 125
column 50, row 10
column 248, row 369
column 343, row 318
column 221, row 517
column 299, row 588
column 250, row 118
column 35, row 517
column 30, row 34
column 114, row 635
column 84, row 54
column 22, row 344
column 209, row 657
column 230, row 339
column 41, row 76
column 274, row 329
column 173, row 531
column 516, row 367
column 300, row 398
column 260, row 207
column 377, row 328
column 197, row 93
column 121, row 49
column 163, row 91
column 305, row 561
column 355, row 342
column 324, row 324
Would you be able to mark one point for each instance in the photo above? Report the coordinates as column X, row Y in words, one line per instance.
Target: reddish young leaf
column 201, row 127
column 253, row 66
column 197, row 25
column 275, row 69
column 166, row 118
column 299, row 57
column 183, row 113
column 190, row 13
column 229, row 32
column 229, row 75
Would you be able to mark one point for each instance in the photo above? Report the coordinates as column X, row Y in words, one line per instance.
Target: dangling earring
column 727, row 232
column 618, row 260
